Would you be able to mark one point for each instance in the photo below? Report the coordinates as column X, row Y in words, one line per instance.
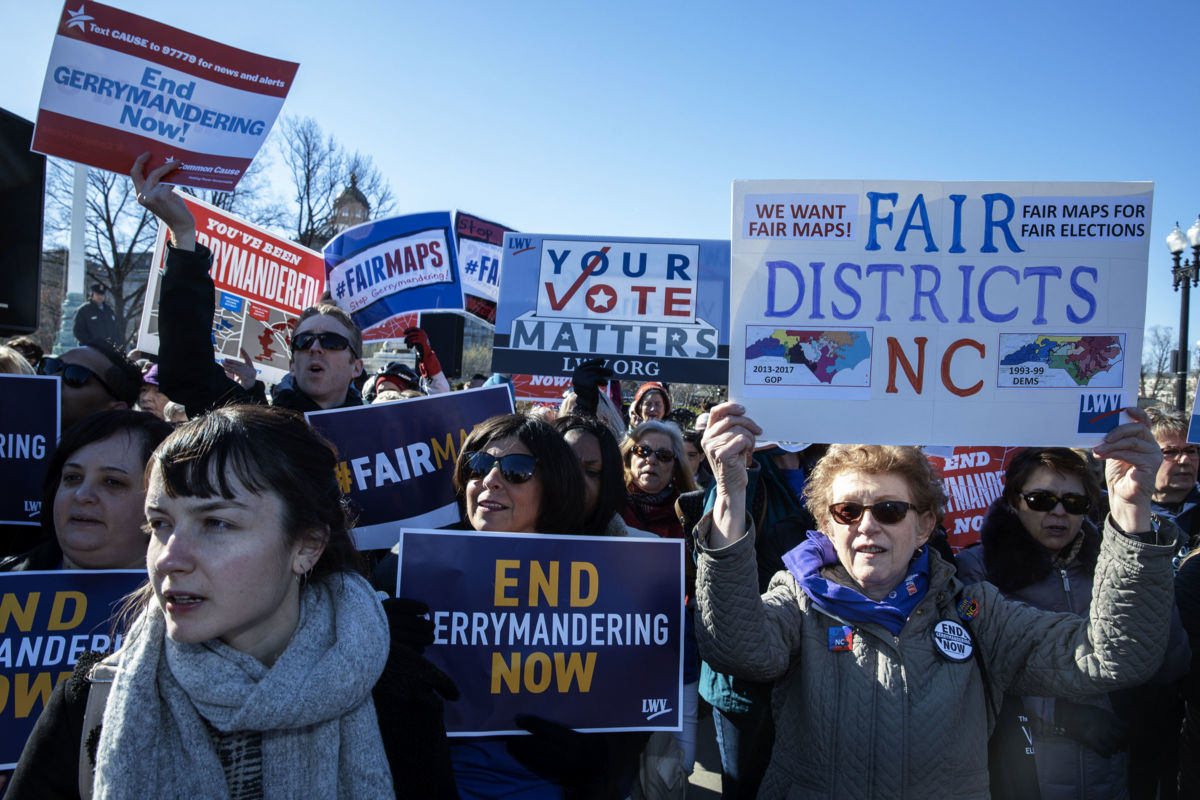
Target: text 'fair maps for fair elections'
column 655, row 308
column 905, row 312
column 118, row 85
column 391, row 267
column 262, row 283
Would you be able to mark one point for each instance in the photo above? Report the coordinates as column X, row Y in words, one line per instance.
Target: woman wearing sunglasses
column 517, row 474
column 656, row 472
column 1039, row 545
column 878, row 651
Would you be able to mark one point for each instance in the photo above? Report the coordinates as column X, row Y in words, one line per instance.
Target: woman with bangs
column 1039, row 545
column 248, row 670
column 889, row 670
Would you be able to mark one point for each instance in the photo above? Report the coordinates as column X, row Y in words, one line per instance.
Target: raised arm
column 187, row 372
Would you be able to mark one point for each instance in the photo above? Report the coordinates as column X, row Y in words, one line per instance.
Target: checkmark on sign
column 555, row 302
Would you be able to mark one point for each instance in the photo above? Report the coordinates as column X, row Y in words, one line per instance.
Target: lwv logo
column 1099, row 412
column 654, row 707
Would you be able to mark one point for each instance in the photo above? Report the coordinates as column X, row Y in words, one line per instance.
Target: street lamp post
column 1186, row 275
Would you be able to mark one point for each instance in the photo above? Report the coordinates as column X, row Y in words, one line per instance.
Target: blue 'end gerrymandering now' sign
column 585, row 631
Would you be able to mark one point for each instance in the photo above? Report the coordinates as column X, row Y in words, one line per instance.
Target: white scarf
column 320, row 737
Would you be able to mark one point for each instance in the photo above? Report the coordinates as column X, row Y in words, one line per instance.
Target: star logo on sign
column 77, row 18
column 600, row 299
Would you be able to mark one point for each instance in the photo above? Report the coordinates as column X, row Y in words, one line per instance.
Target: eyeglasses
column 1174, row 453
column 328, row 340
column 514, row 467
column 1042, row 500
column 73, row 375
column 662, row 454
column 888, row 512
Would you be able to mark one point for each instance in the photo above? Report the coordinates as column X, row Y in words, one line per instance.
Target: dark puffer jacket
column 1011, row 559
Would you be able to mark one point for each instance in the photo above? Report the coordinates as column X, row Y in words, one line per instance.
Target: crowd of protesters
column 841, row 647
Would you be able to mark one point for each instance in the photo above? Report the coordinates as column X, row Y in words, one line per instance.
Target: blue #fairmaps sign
column 29, row 420
column 653, row 309
column 388, row 267
column 47, row 621
column 585, row 631
column 396, row 460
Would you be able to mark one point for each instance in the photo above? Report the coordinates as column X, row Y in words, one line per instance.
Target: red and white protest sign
column 262, row 283
column 541, row 389
column 119, row 84
column 974, row 478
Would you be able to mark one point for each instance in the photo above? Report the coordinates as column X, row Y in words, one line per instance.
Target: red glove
column 418, row 339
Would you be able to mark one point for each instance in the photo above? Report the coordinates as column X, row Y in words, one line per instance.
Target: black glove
column 407, row 622
column 587, row 379
column 1091, row 726
column 559, row 754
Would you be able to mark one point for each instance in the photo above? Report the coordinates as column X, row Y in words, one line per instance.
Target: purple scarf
column 806, row 560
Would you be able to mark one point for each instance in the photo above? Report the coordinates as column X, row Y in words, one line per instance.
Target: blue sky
column 634, row 118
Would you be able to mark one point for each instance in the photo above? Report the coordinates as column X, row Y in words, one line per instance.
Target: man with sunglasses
column 1176, row 493
column 326, row 346
column 94, row 379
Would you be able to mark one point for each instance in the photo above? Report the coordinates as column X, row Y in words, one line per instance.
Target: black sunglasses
column 888, row 512
column 515, row 467
column 662, row 454
column 1042, row 500
column 328, row 340
column 73, row 375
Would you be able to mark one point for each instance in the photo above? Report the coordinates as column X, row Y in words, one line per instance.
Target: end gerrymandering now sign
column 262, row 283
column 29, row 423
column 119, row 84
column 391, row 267
column 651, row 308
column 47, row 621
column 396, row 460
column 910, row 312
column 585, row 631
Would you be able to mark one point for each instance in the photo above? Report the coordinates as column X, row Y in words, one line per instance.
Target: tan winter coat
column 893, row 718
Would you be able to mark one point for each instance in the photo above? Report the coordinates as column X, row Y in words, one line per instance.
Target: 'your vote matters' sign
column 913, row 312
column 654, row 308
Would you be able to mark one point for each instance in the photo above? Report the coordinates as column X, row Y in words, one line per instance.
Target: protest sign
column 973, row 478
column 389, row 267
column 541, row 388
column 262, row 284
column 480, row 245
column 652, row 308
column 583, row 630
column 903, row 312
column 396, row 460
column 392, row 329
column 47, row 621
column 118, row 85
column 29, row 423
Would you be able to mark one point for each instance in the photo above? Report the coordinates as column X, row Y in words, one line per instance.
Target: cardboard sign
column 583, row 630
column 47, row 621
column 904, row 312
column 262, row 284
column 973, row 478
column 390, row 267
column 480, row 246
column 396, row 460
column 652, row 308
column 29, row 426
column 118, row 85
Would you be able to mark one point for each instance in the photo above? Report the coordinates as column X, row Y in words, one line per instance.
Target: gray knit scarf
column 313, row 707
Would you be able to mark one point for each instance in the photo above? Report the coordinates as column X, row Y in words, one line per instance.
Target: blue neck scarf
column 806, row 560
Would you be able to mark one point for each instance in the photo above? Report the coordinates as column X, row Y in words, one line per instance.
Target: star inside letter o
column 600, row 298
